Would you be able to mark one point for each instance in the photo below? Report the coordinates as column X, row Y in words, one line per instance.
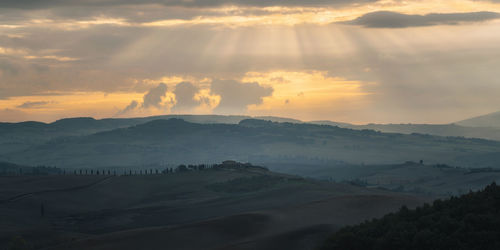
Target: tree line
column 17, row 170
column 470, row 221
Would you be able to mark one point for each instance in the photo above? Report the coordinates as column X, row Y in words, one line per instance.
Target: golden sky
column 353, row 61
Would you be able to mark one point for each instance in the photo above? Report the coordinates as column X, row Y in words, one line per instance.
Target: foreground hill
column 225, row 208
column 177, row 141
column 468, row 222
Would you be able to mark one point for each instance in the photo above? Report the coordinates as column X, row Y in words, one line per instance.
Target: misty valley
column 239, row 182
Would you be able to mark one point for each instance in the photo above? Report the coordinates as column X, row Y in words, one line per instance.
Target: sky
column 358, row 61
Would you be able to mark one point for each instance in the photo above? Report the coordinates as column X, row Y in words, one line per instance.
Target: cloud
column 411, row 68
column 185, row 95
column 37, row 4
column 236, row 96
column 154, row 97
column 388, row 19
column 223, row 96
column 28, row 105
column 133, row 104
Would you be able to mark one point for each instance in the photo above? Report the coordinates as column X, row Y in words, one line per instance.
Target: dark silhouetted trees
column 181, row 168
column 470, row 221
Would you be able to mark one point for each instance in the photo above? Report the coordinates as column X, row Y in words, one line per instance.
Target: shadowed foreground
column 211, row 209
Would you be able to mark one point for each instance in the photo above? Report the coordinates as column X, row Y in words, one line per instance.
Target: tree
column 181, row 168
column 466, row 222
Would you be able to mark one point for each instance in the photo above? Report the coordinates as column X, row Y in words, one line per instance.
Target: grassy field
column 437, row 180
column 184, row 210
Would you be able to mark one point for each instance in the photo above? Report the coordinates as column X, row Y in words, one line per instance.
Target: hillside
column 22, row 135
column 460, row 130
column 489, row 120
column 467, row 222
column 15, row 137
column 232, row 208
column 409, row 177
column 175, row 141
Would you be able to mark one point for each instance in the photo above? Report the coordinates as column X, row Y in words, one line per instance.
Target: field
column 410, row 177
column 209, row 209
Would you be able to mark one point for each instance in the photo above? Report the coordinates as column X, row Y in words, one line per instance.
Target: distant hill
column 490, row 133
column 257, row 141
column 15, row 137
column 88, row 125
column 22, row 135
column 489, row 120
column 468, row 222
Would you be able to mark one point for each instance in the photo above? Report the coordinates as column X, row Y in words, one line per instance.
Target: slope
column 488, row 120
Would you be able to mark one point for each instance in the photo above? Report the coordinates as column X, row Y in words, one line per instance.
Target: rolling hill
column 410, row 177
column 489, row 120
column 22, row 135
column 208, row 209
column 457, row 130
column 176, row 141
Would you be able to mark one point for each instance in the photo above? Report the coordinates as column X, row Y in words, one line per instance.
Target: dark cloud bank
column 388, row 19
